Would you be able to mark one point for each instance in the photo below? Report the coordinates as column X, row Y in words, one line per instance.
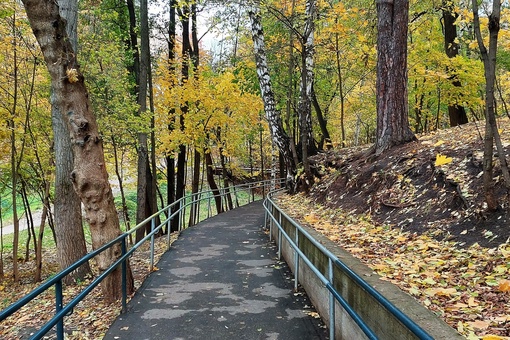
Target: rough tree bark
column 290, row 86
column 273, row 116
column 89, row 177
column 69, row 233
column 392, row 102
column 456, row 112
column 170, row 159
column 491, row 129
column 142, row 199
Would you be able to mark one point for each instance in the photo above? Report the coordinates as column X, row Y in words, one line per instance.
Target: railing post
column 124, row 276
column 266, row 219
column 199, row 199
column 331, row 302
column 168, row 228
column 182, row 214
column 209, row 212
column 279, row 235
column 153, row 226
column 58, row 308
column 296, row 260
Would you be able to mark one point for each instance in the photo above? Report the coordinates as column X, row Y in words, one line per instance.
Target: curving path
column 220, row 280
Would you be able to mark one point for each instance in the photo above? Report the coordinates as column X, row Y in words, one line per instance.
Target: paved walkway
column 220, row 280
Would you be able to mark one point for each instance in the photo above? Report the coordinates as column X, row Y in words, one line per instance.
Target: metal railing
column 175, row 210
column 270, row 208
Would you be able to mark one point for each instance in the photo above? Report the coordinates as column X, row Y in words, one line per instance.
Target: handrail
column 56, row 280
column 269, row 204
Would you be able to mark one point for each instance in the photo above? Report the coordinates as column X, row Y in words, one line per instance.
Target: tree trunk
column 322, row 121
column 456, row 112
column 305, row 98
column 38, row 251
column 340, row 86
column 118, row 173
column 489, row 62
column 193, row 216
column 392, row 102
column 89, row 177
column 186, row 55
column 67, row 205
column 290, row 86
column 170, row 159
column 273, row 116
column 210, row 180
column 14, row 168
column 142, row 208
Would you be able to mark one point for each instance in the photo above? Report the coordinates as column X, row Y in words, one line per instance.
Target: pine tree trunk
column 89, row 176
column 392, row 102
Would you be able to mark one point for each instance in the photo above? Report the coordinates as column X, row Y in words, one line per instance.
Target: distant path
column 9, row 229
column 219, row 281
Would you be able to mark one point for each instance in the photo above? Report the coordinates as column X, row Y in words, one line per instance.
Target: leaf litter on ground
column 89, row 320
column 416, row 216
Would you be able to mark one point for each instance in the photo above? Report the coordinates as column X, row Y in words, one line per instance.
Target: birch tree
column 273, row 115
column 307, row 78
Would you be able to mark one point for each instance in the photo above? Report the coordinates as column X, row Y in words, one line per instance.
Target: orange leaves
column 504, row 285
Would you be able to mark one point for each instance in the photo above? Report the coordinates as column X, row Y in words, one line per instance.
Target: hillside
column 404, row 187
column 422, row 225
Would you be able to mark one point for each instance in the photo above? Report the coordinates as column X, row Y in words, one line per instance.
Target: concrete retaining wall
column 377, row 317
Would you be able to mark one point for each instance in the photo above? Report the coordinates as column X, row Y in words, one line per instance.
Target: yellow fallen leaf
column 439, row 143
column 505, row 253
column 492, row 337
column 442, row 160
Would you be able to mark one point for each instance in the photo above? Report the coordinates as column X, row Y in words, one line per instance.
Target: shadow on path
column 220, row 280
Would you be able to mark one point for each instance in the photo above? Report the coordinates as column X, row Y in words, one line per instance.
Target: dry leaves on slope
column 468, row 288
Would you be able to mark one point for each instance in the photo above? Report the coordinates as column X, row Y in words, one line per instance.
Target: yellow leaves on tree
column 216, row 110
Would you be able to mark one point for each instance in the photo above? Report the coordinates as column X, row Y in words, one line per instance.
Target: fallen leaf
column 504, row 286
column 479, row 324
column 442, row 160
column 492, row 337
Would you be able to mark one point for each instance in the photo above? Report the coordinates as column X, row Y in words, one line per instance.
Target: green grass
column 207, row 208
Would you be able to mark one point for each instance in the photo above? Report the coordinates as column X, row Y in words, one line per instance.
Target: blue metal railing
column 270, row 207
column 166, row 215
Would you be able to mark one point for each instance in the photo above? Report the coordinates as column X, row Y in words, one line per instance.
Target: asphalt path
column 220, row 280
column 9, row 228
